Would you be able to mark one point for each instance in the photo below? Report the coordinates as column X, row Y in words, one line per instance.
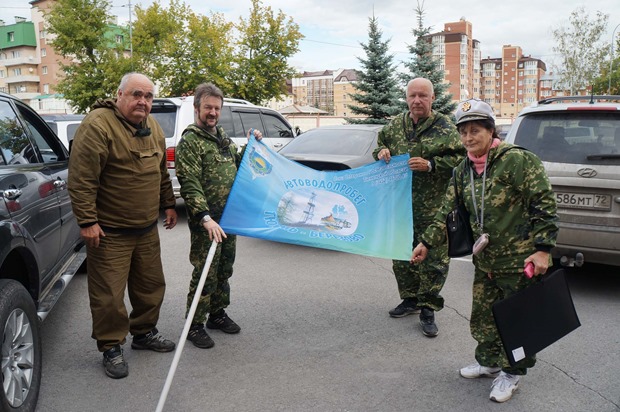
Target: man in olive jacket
column 118, row 182
column 435, row 148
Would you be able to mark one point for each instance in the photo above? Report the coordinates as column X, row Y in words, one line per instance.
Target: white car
column 64, row 125
column 174, row 114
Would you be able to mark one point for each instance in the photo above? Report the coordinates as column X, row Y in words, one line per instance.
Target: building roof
column 347, row 75
column 297, row 109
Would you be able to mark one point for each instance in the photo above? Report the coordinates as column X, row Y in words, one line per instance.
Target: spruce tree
column 378, row 92
column 422, row 64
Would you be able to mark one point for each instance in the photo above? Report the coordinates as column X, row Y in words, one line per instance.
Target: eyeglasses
column 139, row 94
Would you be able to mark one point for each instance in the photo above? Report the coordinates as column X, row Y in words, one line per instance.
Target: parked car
column 40, row 245
column 578, row 140
column 64, row 125
column 174, row 114
column 334, row 147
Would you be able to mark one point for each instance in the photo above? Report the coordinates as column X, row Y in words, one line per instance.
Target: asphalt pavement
column 316, row 336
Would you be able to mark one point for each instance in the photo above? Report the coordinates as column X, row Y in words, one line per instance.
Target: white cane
column 188, row 323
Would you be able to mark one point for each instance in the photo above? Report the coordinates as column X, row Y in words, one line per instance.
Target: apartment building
column 344, row 85
column 511, row 82
column 458, row 54
column 19, row 61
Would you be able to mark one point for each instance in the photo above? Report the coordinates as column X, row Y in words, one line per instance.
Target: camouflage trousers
column 216, row 291
column 423, row 281
column 486, row 291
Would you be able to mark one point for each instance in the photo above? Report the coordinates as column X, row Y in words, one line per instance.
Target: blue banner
column 366, row 210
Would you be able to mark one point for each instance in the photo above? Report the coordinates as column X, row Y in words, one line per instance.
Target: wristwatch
column 205, row 219
column 430, row 165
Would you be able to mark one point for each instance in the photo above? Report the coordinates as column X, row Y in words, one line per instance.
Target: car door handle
column 12, row 194
column 60, row 184
column 277, row 144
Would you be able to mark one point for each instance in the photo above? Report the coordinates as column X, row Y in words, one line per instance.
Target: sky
column 333, row 30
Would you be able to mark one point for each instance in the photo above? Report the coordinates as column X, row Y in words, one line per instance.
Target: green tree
column 378, row 93
column 422, row 64
column 581, row 50
column 606, row 84
column 266, row 41
column 180, row 49
column 83, row 35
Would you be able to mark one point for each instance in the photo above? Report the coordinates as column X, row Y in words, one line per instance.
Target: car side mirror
column 297, row 131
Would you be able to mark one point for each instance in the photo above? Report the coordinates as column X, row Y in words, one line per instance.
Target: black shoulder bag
column 460, row 235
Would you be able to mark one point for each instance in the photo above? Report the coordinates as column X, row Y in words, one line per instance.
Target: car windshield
column 344, row 141
column 572, row 136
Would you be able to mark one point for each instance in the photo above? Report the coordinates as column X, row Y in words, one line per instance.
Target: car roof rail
column 238, row 101
column 590, row 98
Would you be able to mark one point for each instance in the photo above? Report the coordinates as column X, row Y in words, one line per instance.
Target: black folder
column 535, row 317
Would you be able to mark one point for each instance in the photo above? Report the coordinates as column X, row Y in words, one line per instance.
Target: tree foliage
column 423, row 64
column 177, row 48
column 266, row 40
column 82, row 34
column 581, row 50
column 180, row 49
column 606, row 84
column 377, row 89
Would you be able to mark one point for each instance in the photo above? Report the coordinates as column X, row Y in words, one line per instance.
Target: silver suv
column 174, row 114
column 578, row 140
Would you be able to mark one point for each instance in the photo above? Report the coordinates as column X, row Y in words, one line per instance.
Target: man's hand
column 384, row 154
column 418, row 164
column 216, row 233
column 91, row 235
column 171, row 218
column 257, row 134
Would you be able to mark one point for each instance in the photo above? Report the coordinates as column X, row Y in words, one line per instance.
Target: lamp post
column 611, row 60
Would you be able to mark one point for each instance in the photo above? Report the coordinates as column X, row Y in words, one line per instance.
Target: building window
column 43, row 52
column 44, row 69
column 17, row 72
column 46, row 88
column 10, row 36
column 119, row 38
column 2, row 74
column 42, row 34
column 15, row 54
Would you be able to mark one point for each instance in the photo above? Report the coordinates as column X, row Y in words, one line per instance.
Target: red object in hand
column 529, row 270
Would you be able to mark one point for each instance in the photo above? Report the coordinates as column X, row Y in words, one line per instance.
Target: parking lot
column 316, row 336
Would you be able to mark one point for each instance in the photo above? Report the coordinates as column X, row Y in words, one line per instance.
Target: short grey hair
column 206, row 89
column 128, row 76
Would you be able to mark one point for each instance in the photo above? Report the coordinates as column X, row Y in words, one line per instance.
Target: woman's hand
column 540, row 260
column 419, row 253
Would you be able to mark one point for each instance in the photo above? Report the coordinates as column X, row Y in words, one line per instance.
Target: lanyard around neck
column 479, row 220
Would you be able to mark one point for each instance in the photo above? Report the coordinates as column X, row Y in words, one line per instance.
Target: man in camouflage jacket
column 434, row 147
column 206, row 165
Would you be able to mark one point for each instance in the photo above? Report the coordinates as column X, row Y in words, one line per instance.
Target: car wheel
column 21, row 348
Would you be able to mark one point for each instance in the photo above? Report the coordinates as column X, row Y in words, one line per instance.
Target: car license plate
column 591, row 201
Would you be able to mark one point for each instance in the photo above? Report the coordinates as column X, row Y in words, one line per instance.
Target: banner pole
column 188, row 323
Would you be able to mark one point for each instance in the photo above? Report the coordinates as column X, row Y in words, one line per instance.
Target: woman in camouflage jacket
column 514, row 208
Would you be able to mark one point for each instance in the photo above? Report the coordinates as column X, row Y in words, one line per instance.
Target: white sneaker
column 478, row 371
column 503, row 387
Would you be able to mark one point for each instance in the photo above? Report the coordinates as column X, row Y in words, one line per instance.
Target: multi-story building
column 511, row 82
column 458, row 54
column 19, row 61
column 327, row 90
column 344, row 85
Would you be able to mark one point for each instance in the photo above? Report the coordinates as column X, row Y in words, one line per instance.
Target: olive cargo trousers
column 120, row 261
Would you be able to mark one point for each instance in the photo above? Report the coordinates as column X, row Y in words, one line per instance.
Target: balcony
column 30, row 78
column 20, row 61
